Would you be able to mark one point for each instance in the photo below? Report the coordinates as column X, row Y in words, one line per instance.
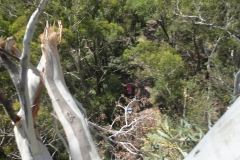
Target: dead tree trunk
column 79, row 138
column 29, row 82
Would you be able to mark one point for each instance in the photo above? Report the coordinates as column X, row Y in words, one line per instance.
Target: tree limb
column 27, row 131
column 73, row 122
column 3, row 51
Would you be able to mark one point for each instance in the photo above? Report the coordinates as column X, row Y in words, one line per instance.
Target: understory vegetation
column 180, row 56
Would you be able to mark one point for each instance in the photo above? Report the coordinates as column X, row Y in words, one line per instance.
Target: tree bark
column 29, row 146
column 78, row 135
column 29, row 82
column 27, row 127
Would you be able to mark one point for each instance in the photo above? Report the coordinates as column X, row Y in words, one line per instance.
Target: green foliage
column 35, row 53
column 6, row 83
column 144, row 8
column 16, row 106
column 19, row 23
column 7, row 146
column 226, row 54
column 197, row 106
column 68, row 38
column 105, row 34
column 105, row 103
column 172, row 141
column 163, row 65
column 4, row 25
column 18, row 27
column 169, row 73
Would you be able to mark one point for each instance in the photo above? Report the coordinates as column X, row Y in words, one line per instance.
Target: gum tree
column 29, row 81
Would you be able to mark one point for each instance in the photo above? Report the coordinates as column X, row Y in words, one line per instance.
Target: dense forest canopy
column 182, row 58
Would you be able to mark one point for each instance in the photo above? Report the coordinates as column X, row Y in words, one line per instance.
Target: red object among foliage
column 129, row 89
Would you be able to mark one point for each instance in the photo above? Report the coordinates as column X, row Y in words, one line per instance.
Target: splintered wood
column 7, row 48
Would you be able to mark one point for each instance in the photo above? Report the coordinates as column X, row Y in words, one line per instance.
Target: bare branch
column 24, row 65
column 3, row 51
column 198, row 20
column 188, row 16
column 128, row 129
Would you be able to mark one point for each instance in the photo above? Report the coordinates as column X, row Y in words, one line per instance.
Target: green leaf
column 192, row 138
column 166, row 124
column 154, row 137
column 163, row 134
column 200, row 134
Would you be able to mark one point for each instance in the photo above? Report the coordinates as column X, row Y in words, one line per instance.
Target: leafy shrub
column 172, row 142
column 164, row 66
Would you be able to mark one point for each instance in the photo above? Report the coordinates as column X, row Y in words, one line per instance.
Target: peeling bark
column 36, row 102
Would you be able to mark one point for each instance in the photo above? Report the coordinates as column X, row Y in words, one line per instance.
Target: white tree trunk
column 28, row 85
column 222, row 141
column 80, row 142
column 29, row 146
